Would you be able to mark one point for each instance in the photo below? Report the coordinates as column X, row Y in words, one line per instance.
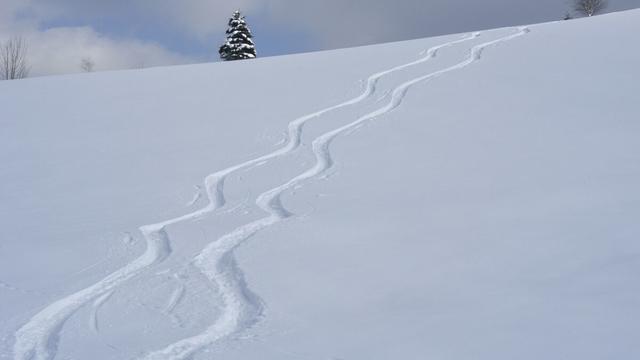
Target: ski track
column 176, row 296
column 197, row 196
column 175, row 299
column 38, row 339
column 93, row 320
column 243, row 308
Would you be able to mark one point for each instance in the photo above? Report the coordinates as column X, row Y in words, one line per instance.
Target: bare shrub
column 590, row 7
column 87, row 64
column 13, row 59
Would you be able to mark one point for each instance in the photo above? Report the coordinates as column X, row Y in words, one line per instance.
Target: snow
column 467, row 196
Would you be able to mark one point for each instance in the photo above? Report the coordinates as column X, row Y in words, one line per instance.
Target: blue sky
column 119, row 34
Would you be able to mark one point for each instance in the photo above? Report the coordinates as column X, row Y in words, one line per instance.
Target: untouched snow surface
column 471, row 196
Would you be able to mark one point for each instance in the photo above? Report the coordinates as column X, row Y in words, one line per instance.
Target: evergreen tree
column 239, row 45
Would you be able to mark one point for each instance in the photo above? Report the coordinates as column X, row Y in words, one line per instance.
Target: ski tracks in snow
column 93, row 319
column 242, row 308
column 175, row 298
column 38, row 339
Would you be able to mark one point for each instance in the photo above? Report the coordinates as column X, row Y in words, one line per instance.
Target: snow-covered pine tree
column 239, row 45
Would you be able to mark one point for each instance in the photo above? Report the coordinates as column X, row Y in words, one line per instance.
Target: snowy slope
column 468, row 196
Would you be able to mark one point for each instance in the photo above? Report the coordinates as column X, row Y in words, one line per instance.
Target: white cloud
column 60, row 50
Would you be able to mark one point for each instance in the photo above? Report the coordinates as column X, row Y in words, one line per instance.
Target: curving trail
column 93, row 319
column 242, row 308
column 38, row 339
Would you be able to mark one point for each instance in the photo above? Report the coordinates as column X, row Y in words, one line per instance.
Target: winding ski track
column 242, row 308
column 38, row 339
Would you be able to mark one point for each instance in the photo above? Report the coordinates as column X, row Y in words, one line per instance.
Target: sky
column 124, row 34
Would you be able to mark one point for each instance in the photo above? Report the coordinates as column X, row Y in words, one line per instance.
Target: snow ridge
column 242, row 308
column 38, row 339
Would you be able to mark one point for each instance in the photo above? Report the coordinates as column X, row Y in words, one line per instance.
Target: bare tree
column 13, row 59
column 590, row 7
column 87, row 64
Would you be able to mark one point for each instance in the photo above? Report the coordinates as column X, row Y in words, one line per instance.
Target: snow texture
column 468, row 196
